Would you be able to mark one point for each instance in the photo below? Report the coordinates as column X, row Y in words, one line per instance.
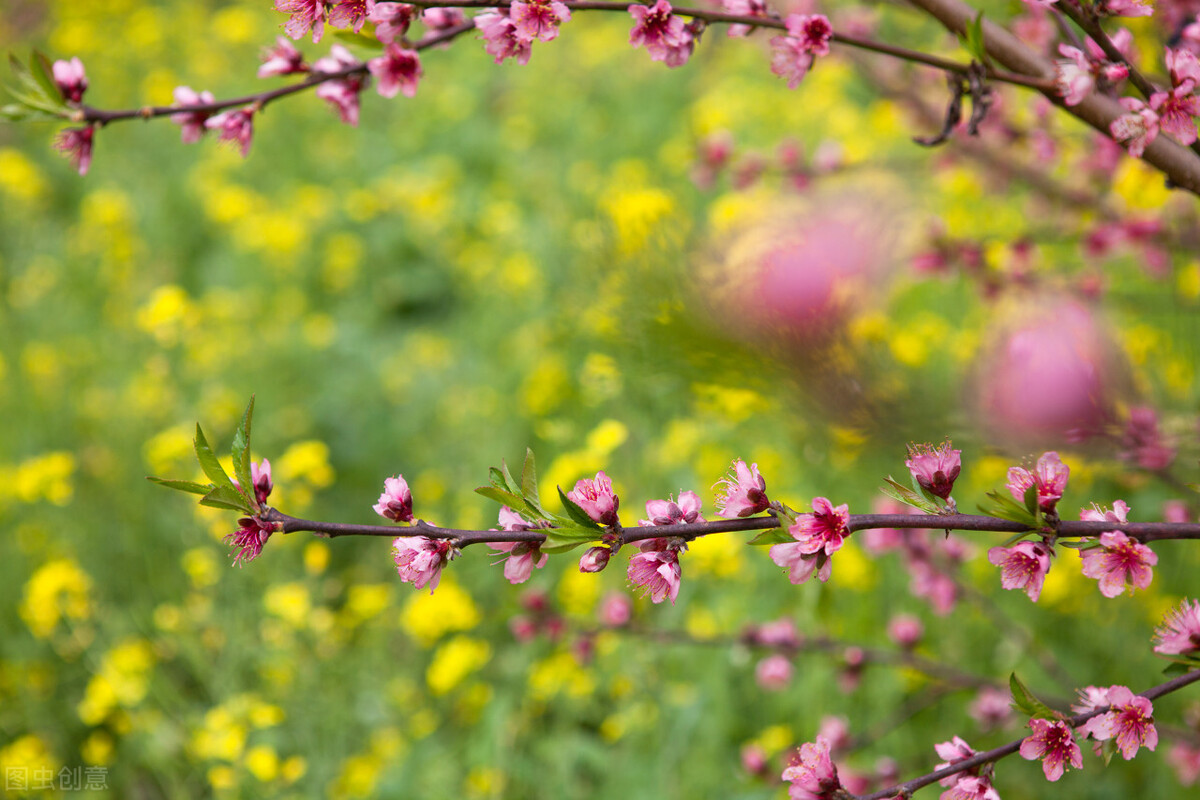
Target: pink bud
column 595, row 559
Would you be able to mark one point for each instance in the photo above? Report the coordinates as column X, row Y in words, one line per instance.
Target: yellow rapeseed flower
column 428, row 617
column 58, row 589
column 454, row 661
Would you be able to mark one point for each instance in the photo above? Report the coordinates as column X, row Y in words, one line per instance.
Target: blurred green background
column 519, row 256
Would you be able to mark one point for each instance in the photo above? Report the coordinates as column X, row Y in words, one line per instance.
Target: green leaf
column 43, row 73
column 226, row 497
column 241, row 455
column 1005, row 507
column 183, row 486
column 576, row 513
column 572, row 533
column 502, row 497
column 209, row 463
column 773, row 536
column 1107, row 749
column 513, row 486
column 20, row 112
column 529, row 485
column 498, row 481
column 1025, row 702
column 1031, row 500
column 900, row 492
column 555, row 549
column 973, row 41
column 1176, row 669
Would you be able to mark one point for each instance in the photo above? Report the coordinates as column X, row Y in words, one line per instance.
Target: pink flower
column 522, row 558
column 1054, row 743
column 668, row 512
column 1073, row 78
column 971, row 787
column 235, row 125
column 439, row 19
column 397, row 70
column 818, row 536
column 1131, row 721
column 260, row 476
column 1180, row 632
column 905, row 630
column 76, row 145
column 656, row 568
column 595, row 559
column 345, row 93
column 396, row 501
column 744, row 8
column 391, row 20
column 1185, row 760
column 935, row 468
column 249, row 538
column 501, row 39
column 1142, row 441
column 191, row 123
column 744, row 493
column 773, row 673
column 664, row 35
column 349, row 14
column 419, row 559
column 1119, row 559
column 1137, row 129
column 1050, row 478
column 306, row 15
column 596, row 498
column 815, row 772
column 71, row 80
column 954, row 750
column 779, row 633
column 754, row 759
column 538, row 19
column 1128, row 8
column 991, row 708
column 812, row 30
column 836, row 730
column 1024, row 566
column 615, row 610
column 807, row 37
column 1177, row 108
column 282, row 59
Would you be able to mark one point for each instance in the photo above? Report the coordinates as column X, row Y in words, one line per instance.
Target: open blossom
column 1184, row 758
column 966, row 785
column 744, row 492
column 1119, row 559
column 500, row 37
column 905, row 630
column 815, row 773
column 70, row 78
column 538, row 19
column 191, row 123
column 76, row 145
column 522, row 558
column 1073, row 78
column 669, row 512
column 793, row 55
column 345, row 93
column 282, row 59
column 1023, row 566
column 596, row 498
column 818, row 536
column 1137, row 129
column 396, row 501
column 990, row 708
column 249, row 538
column 665, row 36
column 934, row 468
column 656, row 568
column 419, row 559
column 1131, row 721
column 1180, row 632
column 306, row 15
column 349, row 14
column 744, row 8
column 1049, row 476
column 1176, row 111
column 397, row 70
column 1128, row 8
column 1054, row 743
column 391, row 20
column 236, row 126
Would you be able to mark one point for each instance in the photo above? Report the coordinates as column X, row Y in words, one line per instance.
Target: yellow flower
column 59, row 588
column 454, row 661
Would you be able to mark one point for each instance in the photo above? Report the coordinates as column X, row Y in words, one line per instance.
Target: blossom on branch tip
column 397, row 70
column 670, row 512
column 419, row 559
column 743, row 492
column 665, row 36
column 191, row 123
column 236, row 126
column 807, row 37
column 596, row 498
column 1137, row 129
column 538, row 19
column 814, row 772
column 282, row 59
column 391, row 20
column 396, row 501
column 76, row 145
column 306, row 15
column 1180, row 632
column 1054, row 743
column 260, row 476
column 500, row 37
column 70, row 78
column 656, row 568
column 818, row 536
column 345, row 93
column 1119, row 559
column 968, row 784
column 1049, row 476
column 249, row 538
column 934, row 468
column 1023, row 566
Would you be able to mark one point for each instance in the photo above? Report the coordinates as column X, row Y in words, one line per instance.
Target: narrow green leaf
column 502, row 497
column 1176, row 669
column 241, row 455
column 529, row 481
column 209, row 463
column 1025, row 702
column 497, row 478
column 773, row 536
column 1031, row 500
column 555, row 549
column 226, row 497
column 576, row 513
column 900, row 492
column 1005, row 508
column 183, row 486
column 19, row 69
column 572, row 533
column 1107, row 748
column 43, row 73
column 508, row 478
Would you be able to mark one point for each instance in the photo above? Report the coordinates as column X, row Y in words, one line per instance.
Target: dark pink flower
column 656, row 568
column 306, row 15
column 665, row 36
column 1131, row 721
column 1180, row 632
column 814, row 773
column 396, row 502
column 1119, row 559
column 191, row 123
column 419, row 559
column 1128, row 8
column 813, row 31
column 595, row 559
column 344, row 94
column 773, row 673
column 1054, row 743
column 1176, row 111
column 744, row 492
column 76, row 145
column 349, row 14
column 935, row 468
column 971, row 787
column 282, row 59
column 669, row 512
column 70, row 78
column 596, row 498
column 1049, row 476
column 793, row 55
column 391, row 20
column 397, row 70
column 1137, row 129
column 249, row 538
column 1024, row 566
column 538, row 19
column 235, row 125
column 818, row 536
column 500, row 37
column 744, row 8
column 905, row 630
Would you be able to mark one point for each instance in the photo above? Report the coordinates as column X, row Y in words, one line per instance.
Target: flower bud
column 595, row 559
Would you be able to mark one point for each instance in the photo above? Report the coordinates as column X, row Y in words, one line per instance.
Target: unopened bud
column 595, row 559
